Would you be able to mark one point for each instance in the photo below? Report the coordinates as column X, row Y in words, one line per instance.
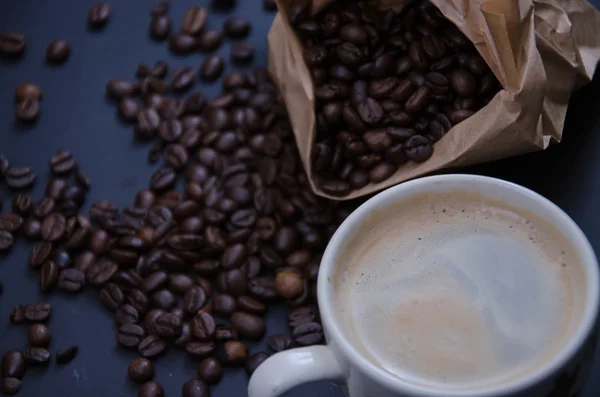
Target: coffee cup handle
column 287, row 369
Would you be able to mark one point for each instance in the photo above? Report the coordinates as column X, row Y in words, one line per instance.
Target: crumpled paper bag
column 540, row 51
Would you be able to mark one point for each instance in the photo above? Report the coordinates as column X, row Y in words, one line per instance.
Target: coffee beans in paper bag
column 384, row 91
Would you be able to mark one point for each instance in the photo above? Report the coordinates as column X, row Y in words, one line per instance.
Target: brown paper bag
column 540, row 51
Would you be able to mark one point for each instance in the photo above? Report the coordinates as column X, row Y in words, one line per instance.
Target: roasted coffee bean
column 242, row 52
column 418, row 101
column 160, row 27
column 19, row 177
column 84, row 260
column 254, row 361
column 210, row 40
column 118, row 89
column 193, row 300
column 167, row 325
column 279, row 342
column 418, row 148
column 308, row 334
column 129, row 109
column 289, row 283
column 111, row 296
column 250, row 305
column 182, row 78
column 203, row 326
column 194, row 20
column 152, row 346
column 31, row 229
column 181, row 43
column 71, row 280
column 200, row 349
column 17, row 315
column 53, row 227
column 38, row 335
column 151, row 389
column 127, row 314
column 162, row 179
column 37, row 311
column 13, row 364
column 39, row 253
column 98, row 15
column 140, row 370
column 28, row 110
column 37, row 355
column 130, row 335
column 48, row 276
column 212, row 68
column 210, row 371
column 163, row 299
column 154, row 281
column 381, row 172
column 462, row 82
column 66, row 355
column 195, row 388
column 28, row 91
column 101, row 271
column 179, row 282
column 148, row 121
column 249, row 326
column 262, row 288
column 10, row 222
column 57, row 51
column 9, row 386
column 232, row 353
column 12, row 43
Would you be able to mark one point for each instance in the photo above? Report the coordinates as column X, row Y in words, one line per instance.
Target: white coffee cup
column 340, row 361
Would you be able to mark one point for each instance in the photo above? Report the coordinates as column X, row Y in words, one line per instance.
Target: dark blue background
column 76, row 116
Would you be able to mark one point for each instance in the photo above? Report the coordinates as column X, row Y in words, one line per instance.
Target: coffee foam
column 458, row 291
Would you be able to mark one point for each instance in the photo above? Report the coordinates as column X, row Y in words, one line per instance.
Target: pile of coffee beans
column 387, row 86
column 196, row 268
column 192, row 268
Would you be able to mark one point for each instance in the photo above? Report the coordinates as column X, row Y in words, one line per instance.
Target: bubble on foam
column 464, row 300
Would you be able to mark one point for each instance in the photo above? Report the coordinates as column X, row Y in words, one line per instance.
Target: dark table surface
column 76, row 116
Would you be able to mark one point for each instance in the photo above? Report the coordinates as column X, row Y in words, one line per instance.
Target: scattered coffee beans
column 226, row 245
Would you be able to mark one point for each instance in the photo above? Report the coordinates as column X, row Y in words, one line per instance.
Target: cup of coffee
column 451, row 286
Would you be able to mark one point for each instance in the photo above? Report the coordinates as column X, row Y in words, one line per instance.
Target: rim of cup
column 470, row 183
